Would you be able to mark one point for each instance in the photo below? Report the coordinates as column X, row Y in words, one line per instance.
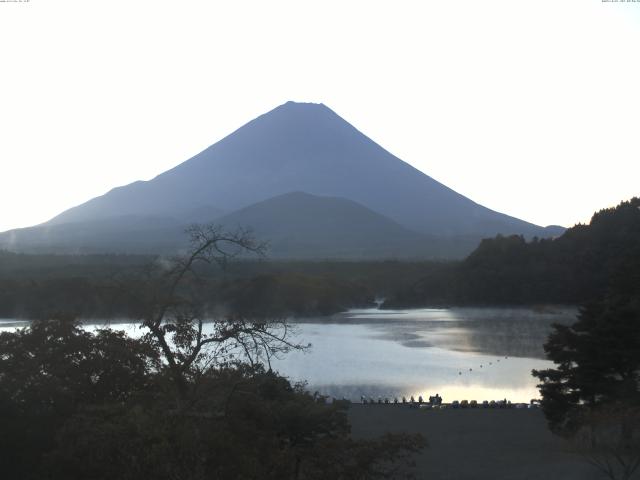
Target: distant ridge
column 296, row 225
column 300, row 225
column 298, row 147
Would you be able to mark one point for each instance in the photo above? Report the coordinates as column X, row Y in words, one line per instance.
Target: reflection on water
column 460, row 353
column 8, row 324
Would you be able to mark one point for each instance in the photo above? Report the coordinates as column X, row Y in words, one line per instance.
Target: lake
column 459, row 353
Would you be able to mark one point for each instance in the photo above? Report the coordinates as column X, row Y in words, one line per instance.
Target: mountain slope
column 295, row 225
column 303, row 147
column 299, row 225
column 122, row 234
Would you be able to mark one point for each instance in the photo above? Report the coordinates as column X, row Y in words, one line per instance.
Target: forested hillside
column 571, row 269
column 107, row 286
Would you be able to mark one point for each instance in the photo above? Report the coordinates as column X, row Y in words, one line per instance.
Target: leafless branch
column 175, row 318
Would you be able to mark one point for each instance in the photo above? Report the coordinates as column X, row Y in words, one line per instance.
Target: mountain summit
column 301, row 147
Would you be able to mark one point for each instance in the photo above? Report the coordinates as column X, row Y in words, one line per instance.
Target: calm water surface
column 460, row 353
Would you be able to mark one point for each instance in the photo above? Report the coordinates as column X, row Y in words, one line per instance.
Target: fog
column 460, row 353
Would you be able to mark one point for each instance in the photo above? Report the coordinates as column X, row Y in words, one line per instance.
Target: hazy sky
column 528, row 107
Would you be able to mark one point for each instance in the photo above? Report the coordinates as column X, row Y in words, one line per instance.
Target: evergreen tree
column 598, row 363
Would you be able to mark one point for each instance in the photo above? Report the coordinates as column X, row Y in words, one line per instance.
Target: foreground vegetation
column 193, row 401
column 80, row 405
column 592, row 394
column 184, row 401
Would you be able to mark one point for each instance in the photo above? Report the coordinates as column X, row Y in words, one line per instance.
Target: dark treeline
column 571, row 269
column 183, row 401
column 591, row 395
column 107, row 286
column 506, row 270
column 99, row 405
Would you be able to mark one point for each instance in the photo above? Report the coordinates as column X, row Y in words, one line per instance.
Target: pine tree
column 597, row 363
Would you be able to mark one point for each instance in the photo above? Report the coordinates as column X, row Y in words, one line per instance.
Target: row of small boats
column 436, row 403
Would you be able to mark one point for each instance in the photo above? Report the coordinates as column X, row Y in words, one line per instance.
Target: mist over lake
column 460, row 353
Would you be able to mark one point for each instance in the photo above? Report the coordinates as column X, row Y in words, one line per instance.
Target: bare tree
column 176, row 317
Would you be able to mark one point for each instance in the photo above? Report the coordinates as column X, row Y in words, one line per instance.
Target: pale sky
column 531, row 108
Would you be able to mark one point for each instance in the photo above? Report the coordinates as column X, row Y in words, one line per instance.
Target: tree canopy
column 573, row 269
column 597, row 362
column 192, row 398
